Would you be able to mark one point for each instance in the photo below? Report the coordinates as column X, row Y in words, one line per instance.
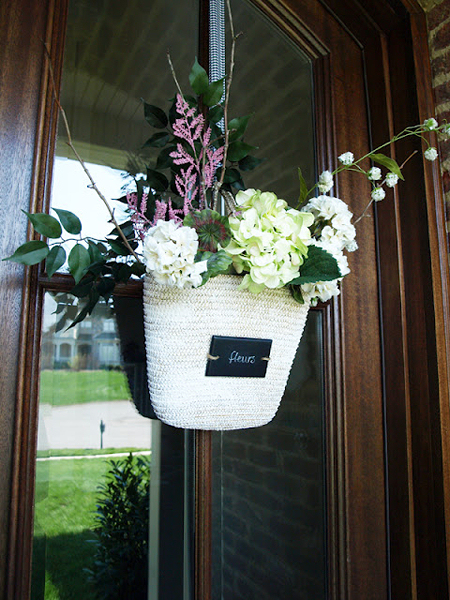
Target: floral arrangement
column 176, row 234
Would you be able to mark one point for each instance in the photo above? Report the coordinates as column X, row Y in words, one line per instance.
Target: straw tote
column 179, row 325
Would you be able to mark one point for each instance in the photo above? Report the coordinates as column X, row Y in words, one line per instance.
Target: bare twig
column 80, row 160
column 227, row 94
column 174, row 75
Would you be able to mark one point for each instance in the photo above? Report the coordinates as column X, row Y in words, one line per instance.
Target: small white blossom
column 431, row 153
column 430, row 124
column 322, row 290
column 347, row 158
column 374, row 174
column 391, row 180
column 446, row 129
column 325, row 182
column 351, row 246
column 378, row 194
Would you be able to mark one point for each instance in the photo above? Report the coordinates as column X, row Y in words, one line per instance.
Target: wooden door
column 385, row 339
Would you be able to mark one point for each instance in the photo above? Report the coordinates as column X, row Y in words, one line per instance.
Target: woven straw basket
column 179, row 325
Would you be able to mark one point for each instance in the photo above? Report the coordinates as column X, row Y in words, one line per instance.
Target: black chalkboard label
column 238, row 357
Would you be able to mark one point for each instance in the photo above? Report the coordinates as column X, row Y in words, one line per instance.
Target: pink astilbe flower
column 138, row 218
column 215, row 158
column 160, row 212
column 199, row 176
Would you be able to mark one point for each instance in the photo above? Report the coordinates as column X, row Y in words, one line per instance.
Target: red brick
column 442, row 93
column 442, row 38
column 440, row 64
column 439, row 13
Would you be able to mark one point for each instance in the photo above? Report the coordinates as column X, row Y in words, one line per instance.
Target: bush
column 120, row 568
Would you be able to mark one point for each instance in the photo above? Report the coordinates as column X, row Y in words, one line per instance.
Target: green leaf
column 55, row 260
column 389, row 163
column 318, row 266
column 30, row 253
column 95, row 252
column 212, row 229
column 239, row 125
column 303, row 188
column 158, row 140
column 79, row 262
column 106, row 286
column 249, row 163
column 118, row 247
column 82, row 289
column 219, row 262
column 69, row 221
column 198, row 78
column 231, row 175
column 138, row 269
column 214, row 93
column 45, row 224
column 155, row 116
column 164, row 161
column 296, row 292
column 239, row 150
column 157, row 181
column 94, row 297
column 215, row 114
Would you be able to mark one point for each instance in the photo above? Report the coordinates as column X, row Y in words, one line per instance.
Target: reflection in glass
column 88, row 426
column 94, row 397
column 268, row 500
column 269, row 515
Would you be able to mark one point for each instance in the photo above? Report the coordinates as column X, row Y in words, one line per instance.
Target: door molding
column 408, row 442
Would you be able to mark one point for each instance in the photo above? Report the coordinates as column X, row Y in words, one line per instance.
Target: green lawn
column 86, row 451
column 66, row 496
column 63, row 387
column 64, row 517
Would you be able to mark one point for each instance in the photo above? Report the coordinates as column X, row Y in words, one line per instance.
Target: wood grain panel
column 22, row 28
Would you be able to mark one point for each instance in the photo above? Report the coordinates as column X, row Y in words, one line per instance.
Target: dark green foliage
column 120, row 567
column 212, row 229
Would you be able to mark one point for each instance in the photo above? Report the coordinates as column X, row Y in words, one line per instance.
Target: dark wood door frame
column 412, row 446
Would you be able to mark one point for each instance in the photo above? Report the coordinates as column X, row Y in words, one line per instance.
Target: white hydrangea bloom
column 430, row 124
column 431, row 153
column 391, row 180
column 347, row 158
column 325, row 182
column 374, row 174
column 378, row 194
column 169, row 251
column 269, row 240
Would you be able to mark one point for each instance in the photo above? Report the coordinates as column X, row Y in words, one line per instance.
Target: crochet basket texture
column 179, row 325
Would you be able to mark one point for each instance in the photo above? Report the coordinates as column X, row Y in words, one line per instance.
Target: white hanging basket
column 179, row 325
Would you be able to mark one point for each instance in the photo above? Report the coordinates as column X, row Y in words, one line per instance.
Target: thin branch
column 80, row 160
column 227, row 94
column 174, row 75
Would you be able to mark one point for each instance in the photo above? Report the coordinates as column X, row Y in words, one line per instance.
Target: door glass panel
column 269, row 515
column 94, row 405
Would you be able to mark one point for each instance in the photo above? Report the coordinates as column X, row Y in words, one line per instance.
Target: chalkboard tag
column 238, row 357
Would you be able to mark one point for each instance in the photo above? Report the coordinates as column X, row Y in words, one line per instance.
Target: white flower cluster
column 169, row 255
column 335, row 233
column 269, row 240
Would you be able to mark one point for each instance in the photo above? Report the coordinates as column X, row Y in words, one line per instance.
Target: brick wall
column 438, row 19
column 268, row 509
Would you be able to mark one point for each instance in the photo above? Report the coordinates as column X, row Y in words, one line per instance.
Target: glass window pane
column 93, row 381
column 269, row 510
column 269, row 515
column 91, row 434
